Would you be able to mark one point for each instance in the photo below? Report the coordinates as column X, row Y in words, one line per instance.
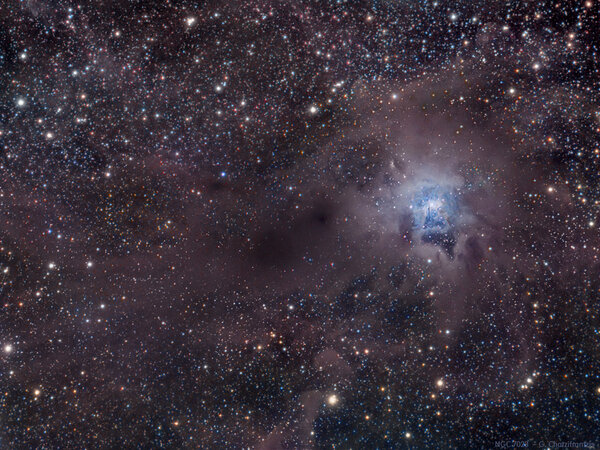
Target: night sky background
column 299, row 224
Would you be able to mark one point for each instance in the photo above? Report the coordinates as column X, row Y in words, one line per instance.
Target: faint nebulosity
column 299, row 224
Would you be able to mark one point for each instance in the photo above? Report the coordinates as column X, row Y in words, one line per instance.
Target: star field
column 299, row 224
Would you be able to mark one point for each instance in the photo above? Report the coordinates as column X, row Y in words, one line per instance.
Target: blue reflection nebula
column 435, row 211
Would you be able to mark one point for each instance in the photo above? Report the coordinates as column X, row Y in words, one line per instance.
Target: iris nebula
column 435, row 215
column 299, row 224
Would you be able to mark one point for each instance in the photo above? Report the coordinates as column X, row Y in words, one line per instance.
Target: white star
column 332, row 400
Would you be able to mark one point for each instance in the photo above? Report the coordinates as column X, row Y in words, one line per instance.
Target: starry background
column 299, row 224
